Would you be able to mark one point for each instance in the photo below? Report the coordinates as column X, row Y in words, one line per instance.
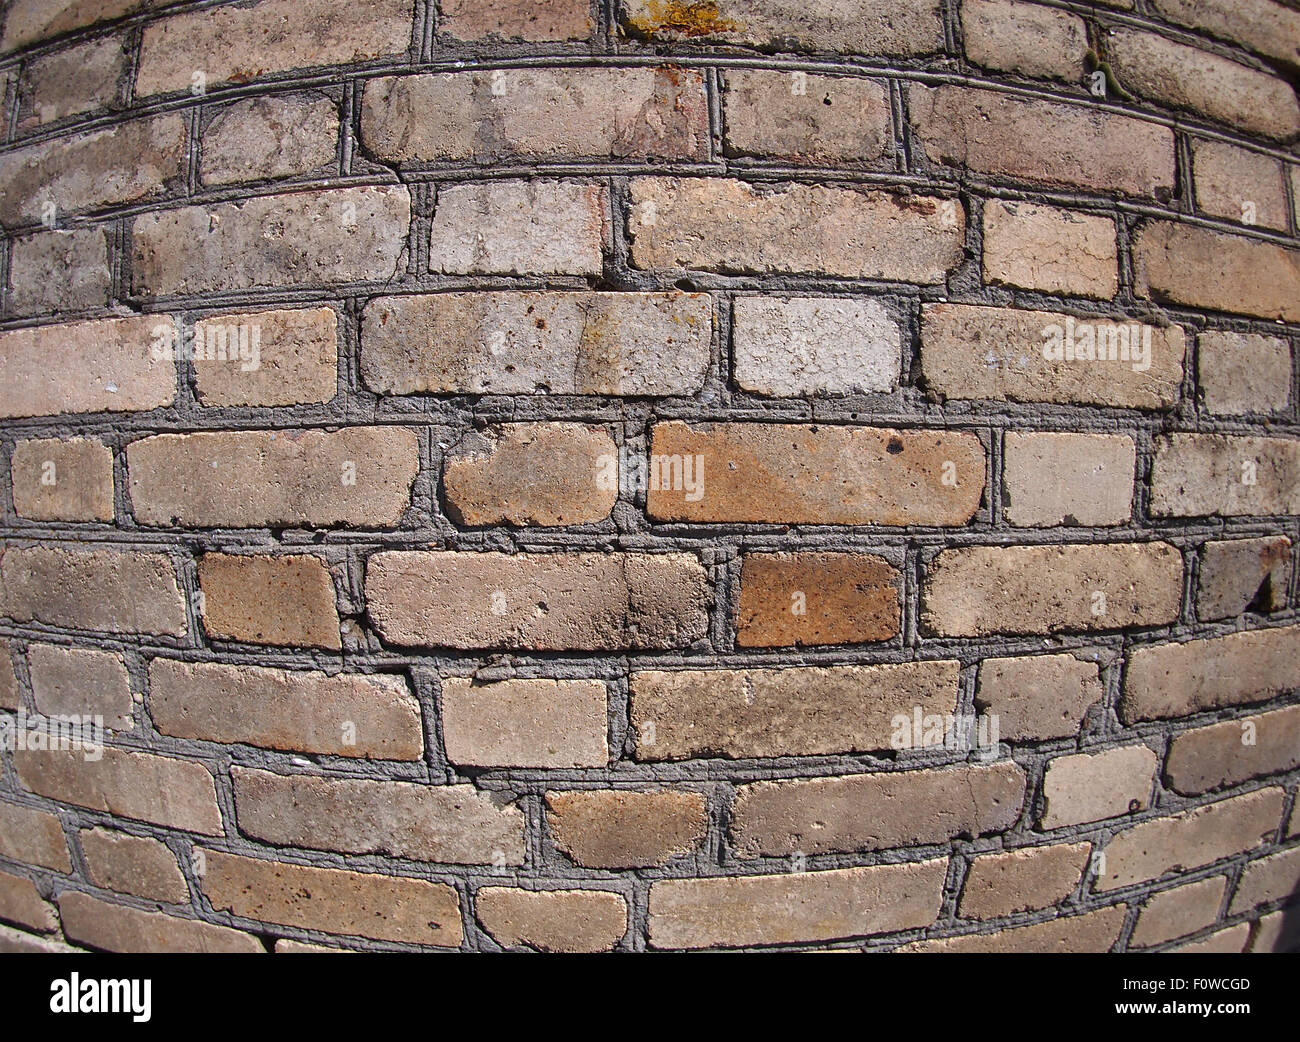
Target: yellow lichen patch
column 672, row 17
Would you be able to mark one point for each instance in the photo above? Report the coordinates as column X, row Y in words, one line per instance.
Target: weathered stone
column 291, row 357
column 535, row 21
column 1038, row 696
column 80, row 682
column 1248, row 187
column 1044, row 248
column 63, row 480
column 1240, row 575
column 1217, row 475
column 1067, row 479
column 82, row 78
column 1243, row 372
column 1034, row 41
column 270, row 137
column 59, row 271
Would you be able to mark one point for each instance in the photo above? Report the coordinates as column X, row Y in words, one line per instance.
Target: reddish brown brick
column 621, row 828
column 805, row 599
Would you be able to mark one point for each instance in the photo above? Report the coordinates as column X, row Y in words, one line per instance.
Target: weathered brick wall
column 532, row 474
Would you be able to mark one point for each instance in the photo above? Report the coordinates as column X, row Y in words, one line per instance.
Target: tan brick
column 807, row 119
column 1272, row 878
column 286, row 600
column 1243, row 372
column 83, row 78
column 1091, row 932
column 1239, row 575
column 1094, row 786
column 1041, row 141
column 525, row 723
column 1029, row 246
column 1196, row 837
column 732, row 227
column 519, row 228
column 1007, row 354
column 116, row 928
column 110, row 367
column 133, row 865
column 1277, row 932
column 63, row 480
column 33, row 836
column 116, row 591
column 621, row 828
column 1231, row 940
column 1242, row 186
column 447, row 823
column 794, row 908
column 386, row 908
column 592, row 601
column 875, row 811
column 552, row 920
column 1021, row 880
column 531, row 474
column 537, row 114
column 80, row 682
column 21, row 903
column 808, row 599
column 1261, row 25
column 285, row 946
column 356, row 476
column 1024, row 38
column 789, row 711
column 1178, row 912
column 1038, row 696
column 174, row 793
column 291, row 357
column 78, row 260
column 1219, row 475
column 537, row 343
column 1068, row 479
column 1165, row 680
column 28, row 21
column 8, row 681
column 238, row 44
column 27, row 943
column 1233, row 751
column 353, row 715
column 978, row 590
column 535, row 21
column 270, row 137
column 338, row 235
column 1185, row 264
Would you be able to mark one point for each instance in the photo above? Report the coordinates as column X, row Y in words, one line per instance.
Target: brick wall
column 649, row 474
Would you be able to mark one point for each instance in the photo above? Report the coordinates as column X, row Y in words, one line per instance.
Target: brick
column 62, row 480
column 1021, row 880
column 1009, row 354
column 1038, row 696
column 525, row 723
column 339, row 235
column 386, row 908
column 533, row 21
column 793, row 908
column 284, row 600
column 552, row 920
column 110, row 367
column 267, row 357
column 788, row 711
column 239, row 44
column 356, row 477
column 1029, row 246
column 1184, row 264
column 1230, row 940
column 978, row 590
column 1218, row 475
column 1240, row 575
column 1167, row 680
column 537, row 343
column 814, row 120
column 1067, row 479
column 1094, row 786
column 28, row 21
column 1196, row 837
column 1184, row 77
column 791, row 347
column 133, row 865
column 285, row 946
column 21, row 903
column 1272, row 878
column 26, row 943
column 1243, row 372
column 1239, row 185
column 537, row 115
column 445, row 823
column 875, row 811
column 116, row 928
column 519, row 228
column 810, row 599
column 86, row 77
column 351, row 715
column 8, row 682
column 872, row 27
column 129, row 162
column 115, row 591
column 1234, row 751
column 177, row 794
column 1276, row 932
column 80, row 682
column 77, row 258
column 1091, row 932
column 1178, row 912
column 1041, row 141
column 775, row 473
column 270, row 137
column 544, row 602
column 1261, row 25
column 530, row 474
column 33, row 836
column 1024, row 38
column 622, row 828
column 732, row 227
